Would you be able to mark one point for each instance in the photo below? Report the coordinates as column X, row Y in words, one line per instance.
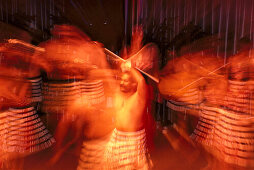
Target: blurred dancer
column 195, row 84
column 225, row 127
column 94, row 122
column 72, row 55
column 233, row 130
column 127, row 148
column 77, row 95
column 22, row 131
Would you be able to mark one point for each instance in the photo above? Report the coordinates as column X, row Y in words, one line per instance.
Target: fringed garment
column 188, row 101
column 234, row 138
column 128, row 151
column 22, row 131
column 234, row 130
column 204, row 131
column 228, row 129
column 36, row 88
column 59, row 94
column 92, row 154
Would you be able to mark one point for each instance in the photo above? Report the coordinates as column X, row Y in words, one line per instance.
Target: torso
column 97, row 120
column 130, row 113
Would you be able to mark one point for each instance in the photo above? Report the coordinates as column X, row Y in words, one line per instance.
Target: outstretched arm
column 62, row 132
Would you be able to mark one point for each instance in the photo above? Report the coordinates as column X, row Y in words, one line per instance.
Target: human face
column 126, row 83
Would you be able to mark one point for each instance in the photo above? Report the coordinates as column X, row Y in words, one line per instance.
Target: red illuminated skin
column 131, row 102
column 90, row 122
column 94, row 121
column 74, row 56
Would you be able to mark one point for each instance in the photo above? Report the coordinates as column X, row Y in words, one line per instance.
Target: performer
column 93, row 120
column 77, row 94
column 127, row 147
column 233, row 130
column 225, row 126
column 22, row 131
column 72, row 55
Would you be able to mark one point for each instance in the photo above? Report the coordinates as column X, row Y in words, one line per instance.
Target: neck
column 127, row 95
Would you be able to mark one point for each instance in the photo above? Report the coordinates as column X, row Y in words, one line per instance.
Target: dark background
column 170, row 24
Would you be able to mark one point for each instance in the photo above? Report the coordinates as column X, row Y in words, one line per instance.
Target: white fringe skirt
column 22, row 131
column 127, row 150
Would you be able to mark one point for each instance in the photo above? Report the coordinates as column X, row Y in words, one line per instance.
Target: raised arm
column 141, row 83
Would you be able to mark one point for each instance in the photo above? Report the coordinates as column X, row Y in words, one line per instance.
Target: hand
column 126, row 66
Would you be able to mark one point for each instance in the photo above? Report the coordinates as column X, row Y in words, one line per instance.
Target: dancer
column 127, row 148
column 22, row 131
column 72, row 55
column 77, row 94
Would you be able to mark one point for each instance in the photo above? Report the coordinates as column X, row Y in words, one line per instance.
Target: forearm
column 141, row 83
